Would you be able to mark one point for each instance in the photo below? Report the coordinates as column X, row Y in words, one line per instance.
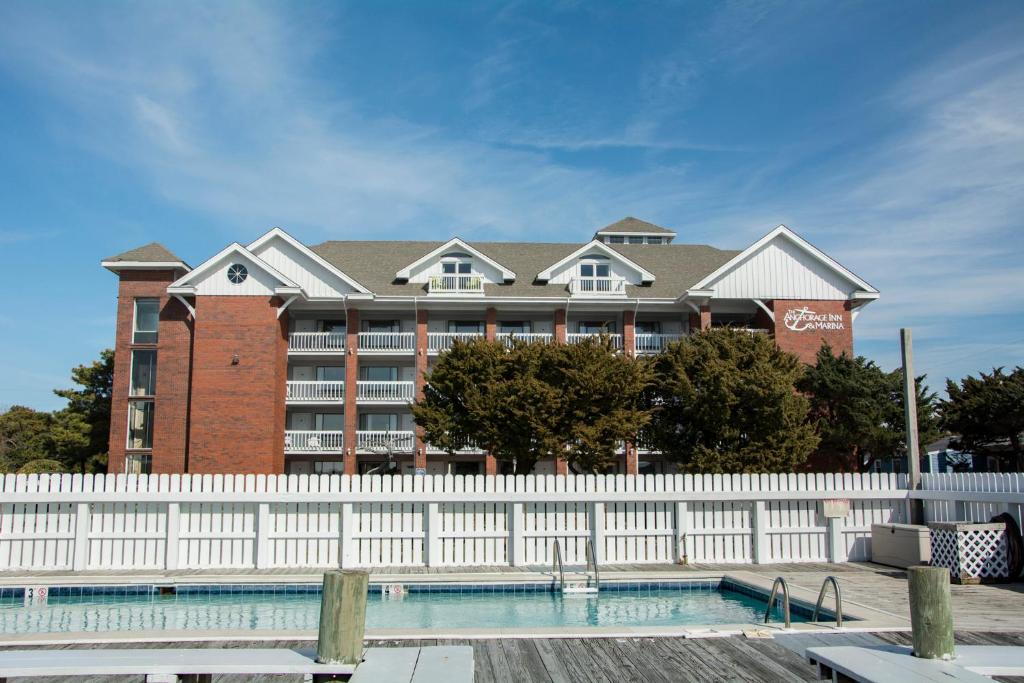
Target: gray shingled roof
column 154, row 252
column 630, row 224
column 676, row 267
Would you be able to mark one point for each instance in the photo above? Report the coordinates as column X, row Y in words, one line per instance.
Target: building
column 280, row 357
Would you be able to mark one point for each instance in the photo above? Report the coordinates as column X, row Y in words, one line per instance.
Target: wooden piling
column 342, row 617
column 931, row 613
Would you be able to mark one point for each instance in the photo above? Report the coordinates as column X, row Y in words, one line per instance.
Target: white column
column 262, row 544
column 516, row 551
column 759, row 539
column 682, row 543
column 81, row 558
column 346, row 550
column 171, row 538
column 597, row 531
column 432, row 542
column 836, row 545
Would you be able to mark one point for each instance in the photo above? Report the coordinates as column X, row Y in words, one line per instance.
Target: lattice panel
column 971, row 553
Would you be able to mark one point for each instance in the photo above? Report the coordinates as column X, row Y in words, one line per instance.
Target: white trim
column 769, row 312
column 183, row 285
column 406, row 273
column 546, row 274
column 135, row 318
column 286, row 304
column 278, row 232
column 115, row 266
column 186, row 304
column 800, row 242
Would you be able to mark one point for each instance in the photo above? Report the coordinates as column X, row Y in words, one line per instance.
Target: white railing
column 573, row 337
column 314, row 391
column 369, row 390
column 597, row 286
column 654, row 343
column 972, row 496
column 530, row 337
column 386, row 342
column 442, row 341
column 169, row 522
column 316, row 342
column 456, row 284
column 469, row 449
column 313, row 441
column 399, row 441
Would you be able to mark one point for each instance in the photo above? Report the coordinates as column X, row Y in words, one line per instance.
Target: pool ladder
column 556, row 563
column 821, row 598
column 779, row 581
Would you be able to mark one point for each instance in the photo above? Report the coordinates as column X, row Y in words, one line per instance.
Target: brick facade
column 422, row 364
column 351, row 379
column 805, row 343
column 240, row 367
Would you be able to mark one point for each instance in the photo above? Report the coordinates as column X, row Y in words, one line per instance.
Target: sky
column 889, row 134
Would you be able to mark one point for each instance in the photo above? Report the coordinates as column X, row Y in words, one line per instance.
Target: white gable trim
column 184, row 285
column 406, row 273
column 115, row 266
column 278, row 232
column 547, row 273
column 810, row 249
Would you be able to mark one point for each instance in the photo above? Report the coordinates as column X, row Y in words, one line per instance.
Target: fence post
column 81, row 558
column 171, row 538
column 432, row 544
column 596, row 524
column 836, row 551
column 342, row 618
column 681, row 526
column 345, row 549
column 516, row 551
column 759, row 539
column 262, row 549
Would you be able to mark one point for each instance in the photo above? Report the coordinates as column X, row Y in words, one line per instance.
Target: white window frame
column 128, row 429
column 131, row 374
column 135, row 320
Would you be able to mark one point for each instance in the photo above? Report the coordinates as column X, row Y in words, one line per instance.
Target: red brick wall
column 702, row 320
column 351, row 390
column 559, row 322
column 171, row 410
column 806, row 342
column 422, row 363
column 491, row 324
column 629, row 332
column 238, row 409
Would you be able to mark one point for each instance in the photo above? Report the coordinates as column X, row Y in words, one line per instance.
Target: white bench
column 896, row 664
column 449, row 664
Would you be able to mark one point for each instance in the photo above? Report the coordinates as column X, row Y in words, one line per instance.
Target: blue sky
column 889, row 134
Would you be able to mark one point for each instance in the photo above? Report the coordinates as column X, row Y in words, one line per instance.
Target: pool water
column 287, row 608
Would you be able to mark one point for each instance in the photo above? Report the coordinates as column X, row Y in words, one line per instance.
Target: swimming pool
column 296, row 607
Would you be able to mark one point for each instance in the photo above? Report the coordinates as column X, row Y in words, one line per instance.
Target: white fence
column 972, row 496
column 244, row 521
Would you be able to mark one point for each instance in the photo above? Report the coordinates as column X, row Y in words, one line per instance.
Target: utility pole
column 910, row 419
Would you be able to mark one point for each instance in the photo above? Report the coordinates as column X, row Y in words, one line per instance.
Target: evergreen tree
column 724, row 400
column 84, row 425
column 25, row 435
column 986, row 415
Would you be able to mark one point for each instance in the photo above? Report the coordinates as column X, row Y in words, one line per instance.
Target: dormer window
column 591, row 268
column 457, row 276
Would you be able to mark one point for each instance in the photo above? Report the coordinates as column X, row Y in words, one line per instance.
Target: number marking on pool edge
column 36, row 596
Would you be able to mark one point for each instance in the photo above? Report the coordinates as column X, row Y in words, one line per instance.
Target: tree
column 85, row 422
column 986, row 415
column 724, row 400
column 25, row 434
column 857, row 410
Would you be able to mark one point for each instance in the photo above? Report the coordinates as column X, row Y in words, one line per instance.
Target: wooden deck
column 608, row 660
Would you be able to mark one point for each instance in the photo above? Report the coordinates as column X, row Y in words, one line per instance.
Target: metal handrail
column 779, row 581
column 592, row 557
column 821, row 598
column 557, row 559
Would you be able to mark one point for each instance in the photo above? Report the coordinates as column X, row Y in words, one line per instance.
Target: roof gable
column 317, row 277
column 454, row 244
column 630, row 225
column 595, row 247
column 262, row 279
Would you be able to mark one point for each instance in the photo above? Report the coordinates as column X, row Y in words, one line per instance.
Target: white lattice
column 971, row 551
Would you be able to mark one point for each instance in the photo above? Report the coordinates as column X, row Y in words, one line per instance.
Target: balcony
column 368, row 391
column 575, row 337
column 442, row 341
column 327, row 343
column 382, row 343
column 378, row 441
column 528, row 337
column 306, row 441
column 455, row 284
column 468, row 449
column 314, row 392
column 654, row 343
column 597, row 286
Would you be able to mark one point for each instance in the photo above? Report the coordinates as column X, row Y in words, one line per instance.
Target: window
column 379, row 374
column 138, row 463
column 335, row 326
column 382, row 326
column 594, row 269
column 465, row 468
column 330, row 373
column 140, row 424
column 147, row 317
column 328, row 467
column 143, row 373
column 653, row 240
column 466, row 326
column 456, row 267
column 378, row 422
column 237, row 273
column 617, row 239
column 514, row 327
column 636, row 240
column 648, row 327
column 330, row 422
column 597, row 327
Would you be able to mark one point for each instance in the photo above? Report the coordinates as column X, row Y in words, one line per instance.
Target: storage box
column 971, row 552
column 900, row 545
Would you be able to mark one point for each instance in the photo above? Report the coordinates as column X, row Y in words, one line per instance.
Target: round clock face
column 237, row 273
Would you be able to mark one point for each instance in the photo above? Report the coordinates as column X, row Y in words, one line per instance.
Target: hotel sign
column 803, row 319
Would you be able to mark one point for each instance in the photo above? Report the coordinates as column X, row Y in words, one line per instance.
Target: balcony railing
column 315, row 391
column 403, row 441
column 654, row 343
column 455, row 284
column 383, row 391
column 509, row 337
column 316, row 342
column 597, row 286
column 574, row 337
column 442, row 341
column 310, row 441
column 469, row 449
column 387, row 342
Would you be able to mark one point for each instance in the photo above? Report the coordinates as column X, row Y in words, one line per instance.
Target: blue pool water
column 250, row 607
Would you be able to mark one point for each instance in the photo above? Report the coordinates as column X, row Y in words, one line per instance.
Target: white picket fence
column 972, row 496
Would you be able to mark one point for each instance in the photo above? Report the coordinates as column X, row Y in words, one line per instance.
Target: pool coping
column 862, row 617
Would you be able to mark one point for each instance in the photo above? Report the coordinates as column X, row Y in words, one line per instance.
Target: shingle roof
column 154, row 252
column 630, row 224
column 676, row 267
